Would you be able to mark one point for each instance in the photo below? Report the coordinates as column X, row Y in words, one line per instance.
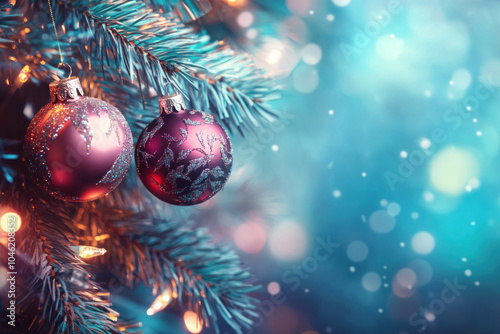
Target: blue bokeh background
column 383, row 92
column 386, row 149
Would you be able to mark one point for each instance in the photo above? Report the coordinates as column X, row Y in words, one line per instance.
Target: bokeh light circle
column 311, row 54
column 393, row 209
column 423, row 243
column 357, row 251
column 490, row 71
column 452, row 169
column 389, row 48
column 305, row 79
column 301, row 7
column 461, row 79
column 10, row 220
column 341, row 3
column 404, row 283
column 288, row 241
column 250, row 237
column 423, row 270
column 245, row 19
column 382, row 222
column 193, row 324
column 371, row 281
column 273, row 288
column 406, row 277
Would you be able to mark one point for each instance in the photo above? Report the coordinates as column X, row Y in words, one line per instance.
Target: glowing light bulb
column 24, row 74
column 87, row 252
column 10, row 222
column 236, row 3
column 160, row 302
column 193, row 324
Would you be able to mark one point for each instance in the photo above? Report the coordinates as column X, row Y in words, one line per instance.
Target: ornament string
column 57, row 40
column 70, row 69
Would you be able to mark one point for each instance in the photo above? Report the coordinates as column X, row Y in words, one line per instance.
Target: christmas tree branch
column 159, row 49
column 60, row 296
column 155, row 49
column 161, row 253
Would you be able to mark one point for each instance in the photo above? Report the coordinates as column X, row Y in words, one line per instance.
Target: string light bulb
column 24, row 74
column 193, row 323
column 87, row 252
column 160, row 302
column 236, row 3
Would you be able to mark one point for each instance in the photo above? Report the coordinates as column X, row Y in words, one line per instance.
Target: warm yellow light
column 87, row 252
column 160, row 302
column 11, row 222
column 101, row 237
column 236, row 3
column 193, row 324
column 24, row 74
column 113, row 317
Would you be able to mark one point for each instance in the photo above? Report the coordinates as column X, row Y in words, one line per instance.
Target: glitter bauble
column 183, row 157
column 77, row 148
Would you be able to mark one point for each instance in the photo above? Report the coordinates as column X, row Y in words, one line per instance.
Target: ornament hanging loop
column 68, row 66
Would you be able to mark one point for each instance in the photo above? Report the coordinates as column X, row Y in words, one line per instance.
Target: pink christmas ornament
column 77, row 148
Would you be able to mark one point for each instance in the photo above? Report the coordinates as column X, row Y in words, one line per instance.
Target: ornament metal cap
column 64, row 89
column 169, row 104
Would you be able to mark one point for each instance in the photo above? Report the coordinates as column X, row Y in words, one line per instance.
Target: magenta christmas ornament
column 77, row 148
column 183, row 157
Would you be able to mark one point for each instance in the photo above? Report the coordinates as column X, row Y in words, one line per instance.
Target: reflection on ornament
column 10, row 222
column 193, row 323
column 87, row 252
column 160, row 302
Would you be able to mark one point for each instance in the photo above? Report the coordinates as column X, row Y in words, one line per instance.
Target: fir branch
column 9, row 20
column 187, row 10
column 61, row 296
column 149, row 49
column 163, row 253
column 159, row 49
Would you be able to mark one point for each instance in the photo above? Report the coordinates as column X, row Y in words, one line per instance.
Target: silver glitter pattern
column 52, row 118
column 207, row 146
